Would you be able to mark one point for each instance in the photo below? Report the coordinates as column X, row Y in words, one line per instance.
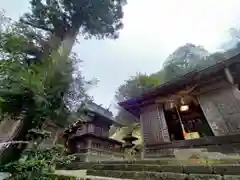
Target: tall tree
column 65, row 19
column 232, row 46
column 229, row 48
column 42, row 85
column 184, row 59
column 31, row 89
column 133, row 87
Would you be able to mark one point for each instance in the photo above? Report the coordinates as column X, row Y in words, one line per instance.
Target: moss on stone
column 197, row 169
column 230, row 169
column 173, row 176
column 62, row 177
column 204, row 177
column 231, row 177
column 125, row 174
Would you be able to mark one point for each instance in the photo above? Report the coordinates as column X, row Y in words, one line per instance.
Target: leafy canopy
column 133, row 87
column 35, row 88
column 101, row 18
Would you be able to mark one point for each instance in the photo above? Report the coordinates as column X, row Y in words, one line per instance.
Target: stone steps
column 162, row 176
column 101, row 178
column 144, row 175
column 166, row 169
column 229, row 169
column 164, row 161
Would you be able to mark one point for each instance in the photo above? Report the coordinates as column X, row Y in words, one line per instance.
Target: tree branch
column 36, row 26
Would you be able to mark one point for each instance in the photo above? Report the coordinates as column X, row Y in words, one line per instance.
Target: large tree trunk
column 59, row 51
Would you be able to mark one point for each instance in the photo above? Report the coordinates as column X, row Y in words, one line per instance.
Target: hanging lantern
column 184, row 106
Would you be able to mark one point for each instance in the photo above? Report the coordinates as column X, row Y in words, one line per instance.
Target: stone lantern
column 128, row 145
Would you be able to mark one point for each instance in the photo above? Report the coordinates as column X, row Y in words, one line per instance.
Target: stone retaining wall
column 178, row 172
column 228, row 145
column 98, row 155
column 103, row 156
column 163, row 169
column 163, row 175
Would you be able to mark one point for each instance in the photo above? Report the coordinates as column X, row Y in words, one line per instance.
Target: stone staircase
column 164, row 169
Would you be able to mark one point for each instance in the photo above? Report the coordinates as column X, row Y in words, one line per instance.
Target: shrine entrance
column 186, row 121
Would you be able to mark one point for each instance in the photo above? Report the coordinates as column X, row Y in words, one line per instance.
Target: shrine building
column 88, row 138
column 200, row 110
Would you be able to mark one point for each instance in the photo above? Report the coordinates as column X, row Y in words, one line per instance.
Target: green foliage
column 34, row 89
column 61, row 177
column 37, row 162
column 190, row 57
column 133, row 87
column 183, row 60
column 45, row 85
column 94, row 18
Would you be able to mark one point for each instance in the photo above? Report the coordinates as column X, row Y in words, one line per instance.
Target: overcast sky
column 153, row 29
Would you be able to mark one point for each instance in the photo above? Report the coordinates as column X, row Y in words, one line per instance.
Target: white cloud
column 172, row 23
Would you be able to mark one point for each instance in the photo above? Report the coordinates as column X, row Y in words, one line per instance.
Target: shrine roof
column 105, row 114
column 133, row 105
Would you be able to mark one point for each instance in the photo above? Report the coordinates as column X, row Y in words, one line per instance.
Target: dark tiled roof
column 98, row 110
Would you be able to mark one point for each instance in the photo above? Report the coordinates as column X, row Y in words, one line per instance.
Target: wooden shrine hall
column 88, row 138
column 198, row 110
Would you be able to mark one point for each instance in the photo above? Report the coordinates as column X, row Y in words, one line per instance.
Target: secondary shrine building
column 198, row 110
column 88, row 138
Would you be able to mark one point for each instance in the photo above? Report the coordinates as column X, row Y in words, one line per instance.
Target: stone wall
column 206, row 147
column 167, row 172
column 167, row 169
column 93, row 155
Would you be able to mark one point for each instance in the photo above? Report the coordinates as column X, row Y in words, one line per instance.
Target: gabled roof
column 133, row 105
column 101, row 114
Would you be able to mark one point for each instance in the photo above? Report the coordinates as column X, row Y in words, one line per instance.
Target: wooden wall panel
column 222, row 110
column 229, row 107
column 154, row 127
column 213, row 116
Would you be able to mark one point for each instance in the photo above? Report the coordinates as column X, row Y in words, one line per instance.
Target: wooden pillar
column 153, row 126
